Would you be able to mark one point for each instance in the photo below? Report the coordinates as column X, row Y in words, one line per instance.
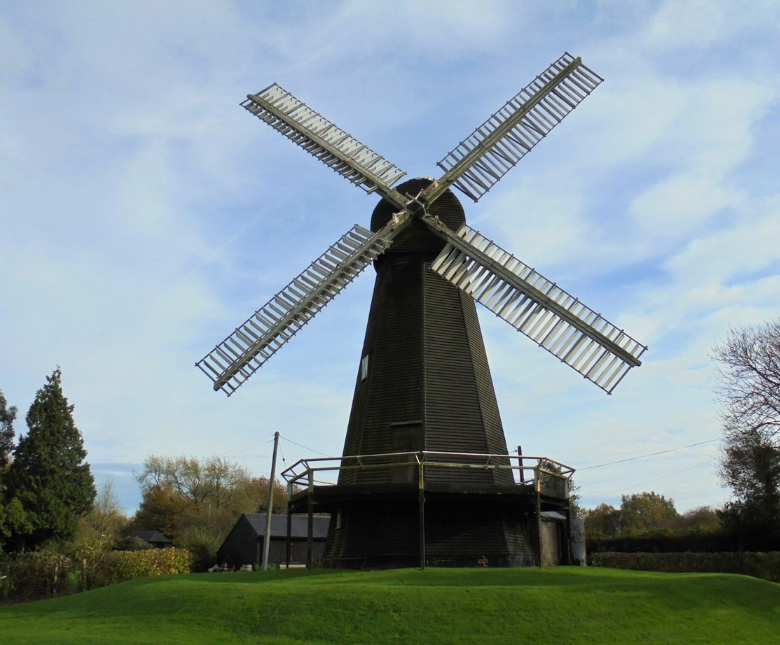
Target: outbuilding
column 154, row 538
column 244, row 543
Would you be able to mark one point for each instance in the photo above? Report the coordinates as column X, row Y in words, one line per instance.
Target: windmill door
column 407, row 437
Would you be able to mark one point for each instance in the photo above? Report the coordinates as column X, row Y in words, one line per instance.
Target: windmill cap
column 415, row 238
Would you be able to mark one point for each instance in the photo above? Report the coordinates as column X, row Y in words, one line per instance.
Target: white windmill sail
column 540, row 309
column 242, row 353
column 324, row 139
column 486, row 155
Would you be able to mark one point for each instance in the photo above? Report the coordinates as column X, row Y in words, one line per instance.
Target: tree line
column 48, row 498
column 748, row 390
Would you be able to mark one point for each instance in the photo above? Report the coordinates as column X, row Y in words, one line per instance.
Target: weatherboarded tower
column 425, row 475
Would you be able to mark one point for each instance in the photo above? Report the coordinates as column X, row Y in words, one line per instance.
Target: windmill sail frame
column 536, row 306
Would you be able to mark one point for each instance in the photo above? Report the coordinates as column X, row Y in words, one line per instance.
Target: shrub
column 666, row 541
column 758, row 565
column 38, row 575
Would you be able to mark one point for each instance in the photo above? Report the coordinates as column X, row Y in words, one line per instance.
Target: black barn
column 244, row 543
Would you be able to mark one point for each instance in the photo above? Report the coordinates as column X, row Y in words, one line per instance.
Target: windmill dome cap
column 447, row 207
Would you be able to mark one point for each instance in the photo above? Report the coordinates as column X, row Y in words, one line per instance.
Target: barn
column 244, row 543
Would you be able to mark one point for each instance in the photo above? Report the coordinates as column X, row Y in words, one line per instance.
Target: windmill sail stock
column 325, row 140
column 242, row 353
column 486, row 155
column 548, row 315
column 540, row 309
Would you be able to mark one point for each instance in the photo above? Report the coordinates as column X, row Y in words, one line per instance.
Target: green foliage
column 758, row 565
column 602, row 521
column 102, row 527
column 643, row 511
column 751, row 468
column 13, row 520
column 161, row 510
column 118, row 566
column 43, row 574
column 470, row 606
column 638, row 514
column 130, row 543
column 197, row 502
column 203, row 544
column 7, row 417
column 666, row 540
column 48, row 475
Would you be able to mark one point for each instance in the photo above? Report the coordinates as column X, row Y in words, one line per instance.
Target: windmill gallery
column 425, row 476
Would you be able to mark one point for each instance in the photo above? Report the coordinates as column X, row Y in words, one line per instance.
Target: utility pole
column 267, row 543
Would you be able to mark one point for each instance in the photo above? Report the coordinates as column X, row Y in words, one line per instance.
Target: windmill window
column 364, row 368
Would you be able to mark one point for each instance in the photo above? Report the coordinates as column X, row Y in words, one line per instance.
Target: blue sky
column 144, row 214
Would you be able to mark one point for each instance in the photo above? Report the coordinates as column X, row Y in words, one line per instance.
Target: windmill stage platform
column 460, row 523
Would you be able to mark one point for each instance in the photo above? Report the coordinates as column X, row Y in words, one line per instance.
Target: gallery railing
column 539, row 475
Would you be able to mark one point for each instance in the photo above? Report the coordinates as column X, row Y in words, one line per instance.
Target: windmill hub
column 419, row 238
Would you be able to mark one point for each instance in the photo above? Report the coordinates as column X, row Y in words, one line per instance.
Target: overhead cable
column 652, row 454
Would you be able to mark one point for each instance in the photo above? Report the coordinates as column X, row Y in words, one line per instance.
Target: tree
column 601, row 522
column 214, row 481
column 101, row 528
column 643, row 511
column 7, row 417
column 749, row 381
column 750, row 466
column 748, row 387
column 196, row 502
column 48, row 474
column 161, row 510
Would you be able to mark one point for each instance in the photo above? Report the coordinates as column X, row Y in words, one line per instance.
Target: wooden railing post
column 538, row 490
column 289, row 521
column 310, row 522
column 421, row 506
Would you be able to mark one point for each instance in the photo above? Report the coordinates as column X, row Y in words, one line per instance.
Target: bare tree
column 213, row 481
column 749, row 381
column 749, row 390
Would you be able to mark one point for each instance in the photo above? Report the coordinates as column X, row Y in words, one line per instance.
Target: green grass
column 557, row 605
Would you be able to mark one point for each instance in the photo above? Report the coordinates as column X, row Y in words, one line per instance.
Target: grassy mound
column 558, row 605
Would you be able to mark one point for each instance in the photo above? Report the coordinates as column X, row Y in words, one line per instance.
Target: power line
column 305, row 447
column 651, row 481
column 652, row 454
column 249, row 445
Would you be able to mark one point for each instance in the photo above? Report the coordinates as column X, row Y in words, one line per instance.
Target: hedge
column 665, row 541
column 758, row 565
column 38, row 575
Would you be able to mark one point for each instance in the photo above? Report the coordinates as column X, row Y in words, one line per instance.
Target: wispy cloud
column 143, row 214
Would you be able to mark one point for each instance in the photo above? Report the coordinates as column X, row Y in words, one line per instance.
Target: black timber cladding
column 427, row 369
column 428, row 387
column 244, row 543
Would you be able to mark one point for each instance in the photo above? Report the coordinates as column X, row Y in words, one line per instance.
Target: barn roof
column 151, row 536
column 279, row 525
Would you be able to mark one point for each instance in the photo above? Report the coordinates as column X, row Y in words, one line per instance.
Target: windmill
column 423, row 379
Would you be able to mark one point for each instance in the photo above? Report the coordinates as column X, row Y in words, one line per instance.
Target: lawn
column 556, row 605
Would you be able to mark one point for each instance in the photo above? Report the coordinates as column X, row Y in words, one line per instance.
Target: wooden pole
column 289, row 522
column 538, row 486
column 520, row 463
column 310, row 522
column 269, row 512
column 421, row 505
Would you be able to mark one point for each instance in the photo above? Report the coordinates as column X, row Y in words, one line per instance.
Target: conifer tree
column 7, row 416
column 48, row 474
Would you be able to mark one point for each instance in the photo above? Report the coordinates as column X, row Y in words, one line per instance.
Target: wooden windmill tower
column 423, row 382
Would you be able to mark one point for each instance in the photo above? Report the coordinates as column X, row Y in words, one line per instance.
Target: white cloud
column 143, row 214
